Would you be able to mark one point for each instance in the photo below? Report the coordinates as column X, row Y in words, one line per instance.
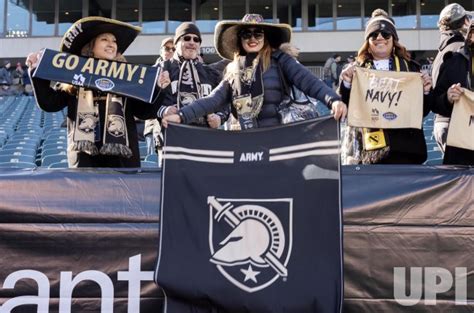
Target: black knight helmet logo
column 87, row 122
column 249, row 243
column 116, row 125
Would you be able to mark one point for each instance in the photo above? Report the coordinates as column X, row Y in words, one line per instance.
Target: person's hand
column 214, row 120
column 339, row 109
column 33, row 58
column 172, row 118
column 427, row 82
column 348, row 73
column 455, row 92
column 164, row 79
column 171, row 110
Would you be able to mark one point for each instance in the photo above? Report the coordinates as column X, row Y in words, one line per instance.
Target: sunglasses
column 169, row 49
column 246, row 34
column 189, row 38
column 385, row 35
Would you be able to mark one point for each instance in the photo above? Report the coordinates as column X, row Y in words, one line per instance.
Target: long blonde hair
column 87, row 51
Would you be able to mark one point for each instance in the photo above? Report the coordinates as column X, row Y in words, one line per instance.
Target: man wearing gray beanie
column 453, row 24
column 189, row 78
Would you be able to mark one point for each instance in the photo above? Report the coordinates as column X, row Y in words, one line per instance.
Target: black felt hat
column 226, row 37
column 86, row 29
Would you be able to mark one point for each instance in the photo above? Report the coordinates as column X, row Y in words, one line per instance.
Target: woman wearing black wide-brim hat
column 253, row 82
column 101, row 126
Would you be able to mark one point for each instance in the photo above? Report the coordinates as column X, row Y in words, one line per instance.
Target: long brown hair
column 233, row 68
column 87, row 51
column 398, row 49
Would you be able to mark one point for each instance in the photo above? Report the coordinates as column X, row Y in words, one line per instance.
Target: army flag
column 251, row 221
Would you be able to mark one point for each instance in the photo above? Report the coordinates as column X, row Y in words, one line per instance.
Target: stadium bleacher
column 30, row 137
column 435, row 157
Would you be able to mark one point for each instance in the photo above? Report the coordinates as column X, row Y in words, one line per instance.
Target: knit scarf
column 87, row 130
column 189, row 85
column 247, row 97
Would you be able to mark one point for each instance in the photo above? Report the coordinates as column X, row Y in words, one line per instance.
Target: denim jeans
column 150, row 144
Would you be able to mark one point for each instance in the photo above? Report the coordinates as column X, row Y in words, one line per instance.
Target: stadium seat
column 20, row 146
column 50, row 159
column 17, row 165
column 434, row 155
column 143, row 149
column 147, row 164
column 23, row 141
column 46, row 152
column 432, row 146
column 62, row 164
column 53, row 141
column 54, row 146
column 30, row 131
column 17, row 158
column 56, row 136
column 428, row 132
column 16, row 152
column 152, row 158
column 17, row 136
column 438, row 161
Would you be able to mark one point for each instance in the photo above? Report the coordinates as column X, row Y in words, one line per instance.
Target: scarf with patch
column 87, row 130
column 189, row 85
column 249, row 92
column 353, row 151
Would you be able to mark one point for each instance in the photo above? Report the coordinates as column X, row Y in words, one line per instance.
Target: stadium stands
column 30, row 137
column 435, row 157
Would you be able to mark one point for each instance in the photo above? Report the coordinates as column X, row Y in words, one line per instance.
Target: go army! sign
column 131, row 80
column 386, row 99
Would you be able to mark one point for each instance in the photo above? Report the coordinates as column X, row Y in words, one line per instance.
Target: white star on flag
column 250, row 274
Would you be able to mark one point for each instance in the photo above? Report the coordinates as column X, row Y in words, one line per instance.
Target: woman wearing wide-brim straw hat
column 252, row 83
column 101, row 126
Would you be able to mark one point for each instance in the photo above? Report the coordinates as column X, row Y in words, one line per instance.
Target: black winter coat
column 454, row 69
column 450, row 42
column 295, row 74
column 208, row 77
column 51, row 100
column 407, row 145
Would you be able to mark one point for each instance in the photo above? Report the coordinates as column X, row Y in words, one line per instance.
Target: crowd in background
column 14, row 81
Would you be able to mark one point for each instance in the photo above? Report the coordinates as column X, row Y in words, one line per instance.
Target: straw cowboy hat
column 86, row 29
column 227, row 42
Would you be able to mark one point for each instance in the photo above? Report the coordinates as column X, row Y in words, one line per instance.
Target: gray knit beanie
column 380, row 21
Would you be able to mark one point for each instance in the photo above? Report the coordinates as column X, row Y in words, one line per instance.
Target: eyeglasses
column 385, row 35
column 169, row 49
column 189, row 38
column 246, row 34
